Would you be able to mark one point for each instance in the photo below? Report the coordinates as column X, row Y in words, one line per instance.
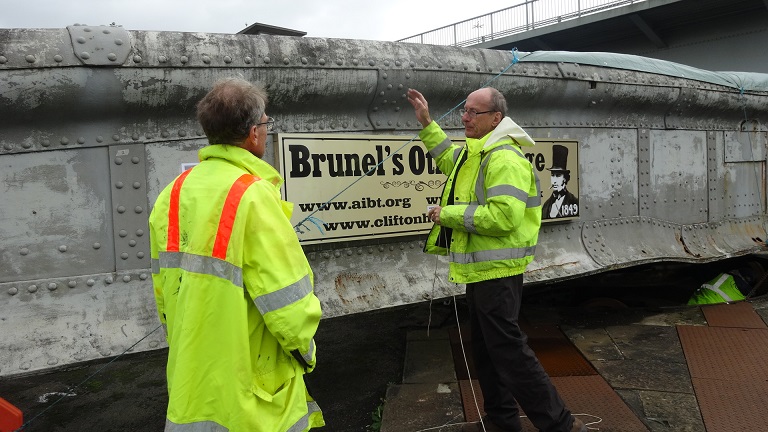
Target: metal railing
column 522, row 17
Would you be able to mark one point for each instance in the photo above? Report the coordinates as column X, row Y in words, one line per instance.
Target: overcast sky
column 354, row 19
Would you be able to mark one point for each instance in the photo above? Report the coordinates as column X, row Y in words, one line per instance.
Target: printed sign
column 353, row 187
column 557, row 163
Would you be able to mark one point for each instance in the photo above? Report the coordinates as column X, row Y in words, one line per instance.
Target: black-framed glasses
column 473, row 113
column 270, row 124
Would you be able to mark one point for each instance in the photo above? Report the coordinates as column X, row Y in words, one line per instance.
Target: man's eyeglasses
column 270, row 124
column 472, row 113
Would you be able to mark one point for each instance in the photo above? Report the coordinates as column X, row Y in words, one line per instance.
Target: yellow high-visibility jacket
column 235, row 294
column 491, row 204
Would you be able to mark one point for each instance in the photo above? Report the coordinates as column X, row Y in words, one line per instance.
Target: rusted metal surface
column 727, row 366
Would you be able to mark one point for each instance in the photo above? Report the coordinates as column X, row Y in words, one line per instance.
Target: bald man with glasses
column 488, row 224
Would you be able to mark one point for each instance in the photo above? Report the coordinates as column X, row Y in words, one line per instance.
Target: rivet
column 123, row 233
column 52, row 286
column 90, row 282
column 85, row 55
column 153, row 344
column 371, row 63
column 115, row 137
column 355, row 62
column 384, row 76
column 165, row 134
column 58, row 59
column 32, row 288
column 206, row 59
column 119, row 185
column 162, row 59
column 124, row 255
column 30, row 58
column 227, row 59
column 112, row 56
column 126, row 278
column 321, row 62
column 248, row 60
column 136, row 185
column 135, row 137
column 3, row 60
column 63, row 248
column 137, row 59
column 182, row 133
column 140, row 255
column 132, row 243
column 72, row 284
column 121, row 209
column 118, row 42
column 139, row 232
column 13, row 291
column 7, row 146
column 184, row 59
column 64, row 141
column 339, row 62
column 143, row 276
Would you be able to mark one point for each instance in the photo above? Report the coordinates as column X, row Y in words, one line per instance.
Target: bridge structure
column 668, row 162
column 726, row 35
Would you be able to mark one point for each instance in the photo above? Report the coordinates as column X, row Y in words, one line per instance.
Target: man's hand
column 434, row 214
column 420, row 107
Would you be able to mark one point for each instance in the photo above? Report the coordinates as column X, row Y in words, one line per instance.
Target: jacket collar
column 506, row 130
column 243, row 159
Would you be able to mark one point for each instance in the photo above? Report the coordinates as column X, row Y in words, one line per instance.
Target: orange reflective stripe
column 173, row 213
column 228, row 214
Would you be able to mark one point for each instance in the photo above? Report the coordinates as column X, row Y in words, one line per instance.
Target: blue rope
column 298, row 227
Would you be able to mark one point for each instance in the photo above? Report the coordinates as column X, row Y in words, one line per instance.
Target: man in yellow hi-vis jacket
column 488, row 224
column 233, row 287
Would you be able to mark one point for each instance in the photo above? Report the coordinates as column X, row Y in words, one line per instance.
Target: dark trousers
column 507, row 368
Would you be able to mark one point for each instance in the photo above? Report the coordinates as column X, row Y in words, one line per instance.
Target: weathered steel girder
column 96, row 120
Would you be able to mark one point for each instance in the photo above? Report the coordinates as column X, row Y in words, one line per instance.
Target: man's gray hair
column 498, row 102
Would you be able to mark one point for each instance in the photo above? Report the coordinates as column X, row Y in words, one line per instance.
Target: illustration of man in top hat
column 562, row 203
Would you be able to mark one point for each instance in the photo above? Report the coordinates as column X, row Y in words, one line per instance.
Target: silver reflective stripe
column 311, row 352
column 507, row 190
column 492, row 255
column 530, row 201
column 469, row 219
column 303, row 422
column 203, row 426
column 203, row 265
column 155, row 266
column 440, row 148
column 716, row 287
column 284, row 296
column 456, row 154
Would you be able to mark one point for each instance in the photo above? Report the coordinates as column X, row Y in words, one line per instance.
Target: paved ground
column 360, row 356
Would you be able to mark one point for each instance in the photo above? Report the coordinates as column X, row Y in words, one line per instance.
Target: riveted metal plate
column 724, row 238
column 100, row 45
column 609, row 173
column 559, row 254
column 634, row 239
column 744, row 146
column 740, row 314
column 677, row 183
column 128, row 179
column 54, row 220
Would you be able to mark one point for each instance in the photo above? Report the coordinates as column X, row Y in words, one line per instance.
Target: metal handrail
column 528, row 15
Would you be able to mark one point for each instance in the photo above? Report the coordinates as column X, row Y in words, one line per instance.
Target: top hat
column 559, row 158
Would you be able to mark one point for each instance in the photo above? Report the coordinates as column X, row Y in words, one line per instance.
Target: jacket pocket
column 268, row 386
